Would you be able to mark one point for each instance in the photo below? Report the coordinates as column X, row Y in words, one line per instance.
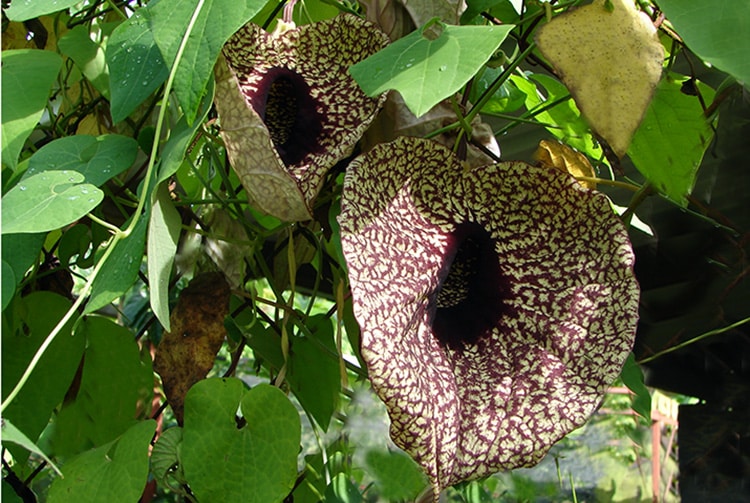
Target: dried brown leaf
column 187, row 353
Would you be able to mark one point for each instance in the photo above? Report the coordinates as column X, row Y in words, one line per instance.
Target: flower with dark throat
column 496, row 304
column 289, row 109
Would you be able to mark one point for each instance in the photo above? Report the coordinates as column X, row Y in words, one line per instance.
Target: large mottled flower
column 496, row 304
column 289, row 109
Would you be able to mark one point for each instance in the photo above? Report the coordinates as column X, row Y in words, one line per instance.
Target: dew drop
column 442, row 68
column 22, row 187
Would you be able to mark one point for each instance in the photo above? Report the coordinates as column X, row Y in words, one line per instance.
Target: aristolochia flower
column 289, row 109
column 496, row 304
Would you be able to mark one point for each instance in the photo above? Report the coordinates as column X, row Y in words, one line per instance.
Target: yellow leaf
column 556, row 155
column 611, row 60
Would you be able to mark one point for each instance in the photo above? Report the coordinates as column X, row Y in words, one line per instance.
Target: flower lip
column 469, row 300
column 290, row 113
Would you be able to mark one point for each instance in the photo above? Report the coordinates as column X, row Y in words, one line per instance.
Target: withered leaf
column 557, row 155
column 187, row 353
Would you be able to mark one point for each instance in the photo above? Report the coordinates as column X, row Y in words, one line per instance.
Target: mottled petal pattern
column 289, row 109
column 562, row 297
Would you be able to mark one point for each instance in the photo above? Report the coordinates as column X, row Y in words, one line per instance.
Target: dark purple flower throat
column 289, row 112
column 469, row 301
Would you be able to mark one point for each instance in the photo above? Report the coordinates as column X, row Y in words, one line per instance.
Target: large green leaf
column 426, row 68
column 47, row 201
column 717, row 31
column 23, row 332
column 216, row 22
column 9, row 284
column 114, row 383
column 87, row 55
column 121, row 269
column 115, row 472
column 23, row 10
column 97, row 158
column 136, row 66
column 27, row 76
column 163, row 235
column 252, row 459
column 669, row 145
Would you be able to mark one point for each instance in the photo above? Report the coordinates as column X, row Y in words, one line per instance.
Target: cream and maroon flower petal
column 289, row 109
column 496, row 304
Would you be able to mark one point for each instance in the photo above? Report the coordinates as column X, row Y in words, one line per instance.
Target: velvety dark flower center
column 469, row 301
column 290, row 114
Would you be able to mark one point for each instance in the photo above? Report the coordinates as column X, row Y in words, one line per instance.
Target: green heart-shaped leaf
column 258, row 450
column 48, row 201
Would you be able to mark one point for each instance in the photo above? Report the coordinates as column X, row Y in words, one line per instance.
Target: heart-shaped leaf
column 427, row 67
column 97, row 158
column 258, row 449
column 48, row 201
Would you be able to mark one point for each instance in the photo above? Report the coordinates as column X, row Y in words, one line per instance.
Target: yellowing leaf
column 610, row 60
column 556, row 155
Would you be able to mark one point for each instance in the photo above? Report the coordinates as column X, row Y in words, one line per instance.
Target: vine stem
column 119, row 235
column 711, row 333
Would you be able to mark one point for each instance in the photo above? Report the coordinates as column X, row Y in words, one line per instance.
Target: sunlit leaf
column 716, row 31
column 14, row 435
column 563, row 118
column 669, row 145
column 36, row 316
column 48, row 201
column 113, row 383
column 87, row 55
column 163, row 235
column 611, row 61
column 22, row 10
column 217, row 21
column 115, row 472
column 121, row 269
column 426, row 68
column 27, row 76
column 260, row 446
column 136, row 66
column 97, row 158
